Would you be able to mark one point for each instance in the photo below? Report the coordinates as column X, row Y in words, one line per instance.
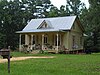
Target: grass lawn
column 62, row 64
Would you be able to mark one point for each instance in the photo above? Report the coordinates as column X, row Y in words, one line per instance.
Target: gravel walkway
column 24, row 58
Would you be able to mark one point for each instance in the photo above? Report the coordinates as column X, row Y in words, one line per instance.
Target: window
column 45, row 39
column 59, row 38
column 37, row 38
column 33, row 40
column 44, row 25
column 23, row 39
column 29, row 39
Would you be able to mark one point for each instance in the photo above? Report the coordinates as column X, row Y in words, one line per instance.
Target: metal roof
column 33, row 24
column 57, row 23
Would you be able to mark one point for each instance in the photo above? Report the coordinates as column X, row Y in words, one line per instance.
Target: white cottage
column 53, row 34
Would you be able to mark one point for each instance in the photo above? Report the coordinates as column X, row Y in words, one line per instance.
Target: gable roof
column 45, row 22
column 56, row 24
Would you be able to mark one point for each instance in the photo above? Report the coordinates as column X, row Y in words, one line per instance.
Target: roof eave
column 60, row 30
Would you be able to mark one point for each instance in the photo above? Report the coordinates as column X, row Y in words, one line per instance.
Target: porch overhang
column 41, row 30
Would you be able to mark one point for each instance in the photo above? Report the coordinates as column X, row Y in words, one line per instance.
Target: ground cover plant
column 62, row 64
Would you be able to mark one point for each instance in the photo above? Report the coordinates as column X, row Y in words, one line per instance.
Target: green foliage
column 14, row 15
column 91, row 21
column 74, row 7
column 2, row 40
column 62, row 11
column 53, row 12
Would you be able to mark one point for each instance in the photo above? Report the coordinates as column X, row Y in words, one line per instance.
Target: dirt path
column 24, row 58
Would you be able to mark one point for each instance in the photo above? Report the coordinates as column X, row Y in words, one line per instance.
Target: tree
column 41, row 8
column 3, row 5
column 62, row 11
column 11, row 20
column 2, row 40
column 95, row 23
column 14, row 15
column 54, row 12
column 74, row 7
column 91, row 21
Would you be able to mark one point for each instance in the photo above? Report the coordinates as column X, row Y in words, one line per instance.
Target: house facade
column 52, row 34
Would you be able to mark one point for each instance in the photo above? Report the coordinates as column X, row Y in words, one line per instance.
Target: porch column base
column 57, row 52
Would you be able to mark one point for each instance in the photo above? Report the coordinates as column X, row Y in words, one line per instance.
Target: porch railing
column 46, row 47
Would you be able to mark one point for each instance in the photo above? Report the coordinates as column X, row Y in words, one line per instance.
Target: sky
column 58, row 3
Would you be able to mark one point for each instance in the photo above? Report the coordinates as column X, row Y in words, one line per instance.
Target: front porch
column 52, row 42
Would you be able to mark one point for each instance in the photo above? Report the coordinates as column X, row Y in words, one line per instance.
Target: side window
column 73, row 37
column 73, row 41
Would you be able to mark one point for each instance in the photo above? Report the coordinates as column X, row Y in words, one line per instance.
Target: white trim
column 20, row 42
column 60, row 40
column 57, row 41
column 31, row 40
column 26, row 39
column 54, row 39
column 42, row 41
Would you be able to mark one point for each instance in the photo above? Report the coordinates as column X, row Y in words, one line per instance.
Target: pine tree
column 91, row 21
column 14, row 15
column 74, row 7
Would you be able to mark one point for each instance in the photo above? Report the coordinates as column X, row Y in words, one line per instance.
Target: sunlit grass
column 60, row 65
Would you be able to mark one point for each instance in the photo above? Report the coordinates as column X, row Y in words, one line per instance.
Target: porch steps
column 35, row 51
column 51, row 51
column 44, row 51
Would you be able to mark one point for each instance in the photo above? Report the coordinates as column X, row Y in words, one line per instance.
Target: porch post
column 42, row 41
column 31, row 40
column 20, row 42
column 26, row 39
column 60, row 40
column 54, row 40
column 57, row 43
